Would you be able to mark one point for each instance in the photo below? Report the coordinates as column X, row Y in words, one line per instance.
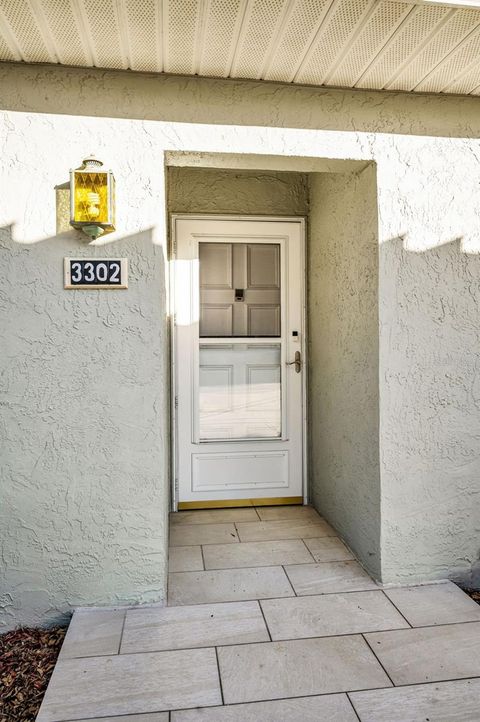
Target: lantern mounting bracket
column 92, row 231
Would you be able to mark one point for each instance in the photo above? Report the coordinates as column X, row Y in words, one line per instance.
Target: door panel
column 238, row 325
column 242, row 471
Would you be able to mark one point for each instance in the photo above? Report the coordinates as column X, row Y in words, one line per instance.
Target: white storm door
column 238, row 359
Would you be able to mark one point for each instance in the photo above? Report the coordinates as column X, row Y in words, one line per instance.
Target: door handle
column 297, row 363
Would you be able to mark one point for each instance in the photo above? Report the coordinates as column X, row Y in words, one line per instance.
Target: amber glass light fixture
column 92, row 198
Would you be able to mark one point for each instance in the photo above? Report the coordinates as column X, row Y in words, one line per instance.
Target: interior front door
column 238, row 359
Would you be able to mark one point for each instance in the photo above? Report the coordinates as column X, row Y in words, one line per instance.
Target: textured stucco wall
column 427, row 153
column 84, row 385
column 430, row 394
column 343, row 358
column 83, row 478
column 213, row 190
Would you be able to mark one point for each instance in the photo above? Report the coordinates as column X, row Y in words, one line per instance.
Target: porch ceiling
column 375, row 44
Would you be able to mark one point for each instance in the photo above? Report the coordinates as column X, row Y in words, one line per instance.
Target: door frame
column 174, row 217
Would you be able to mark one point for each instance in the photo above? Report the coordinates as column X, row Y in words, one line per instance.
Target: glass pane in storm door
column 240, row 392
column 239, row 290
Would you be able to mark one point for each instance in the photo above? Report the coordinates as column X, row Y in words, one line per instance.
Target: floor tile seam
column 214, row 645
column 257, row 701
column 257, row 566
column 289, row 580
column 423, row 683
column 309, row 551
column 343, row 561
column 435, row 626
column 398, row 610
column 269, row 541
column 120, row 641
column 333, row 561
column 180, row 524
column 227, row 601
column 252, row 599
column 357, row 715
column 329, row 594
column 246, row 541
column 199, row 604
column 262, row 701
column 275, row 641
column 288, row 538
column 220, row 683
column 233, row 569
column 329, row 694
column 287, row 564
column 268, row 566
column 288, row 523
column 236, row 531
column 262, row 566
column 298, row 519
column 445, row 624
column 262, row 541
column 280, row 699
column 272, row 699
column 337, row 591
column 211, row 523
column 204, row 544
column 346, row 693
column 313, row 636
column 174, row 521
column 378, row 660
column 265, row 619
column 128, row 714
column 291, row 520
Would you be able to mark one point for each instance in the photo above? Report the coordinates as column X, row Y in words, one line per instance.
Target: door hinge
column 176, row 402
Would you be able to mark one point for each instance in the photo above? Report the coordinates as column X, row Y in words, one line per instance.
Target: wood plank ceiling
column 379, row 44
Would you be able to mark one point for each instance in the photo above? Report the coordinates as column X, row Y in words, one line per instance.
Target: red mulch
column 27, row 659
column 474, row 593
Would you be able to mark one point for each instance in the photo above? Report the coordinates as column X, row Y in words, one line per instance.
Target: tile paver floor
column 270, row 618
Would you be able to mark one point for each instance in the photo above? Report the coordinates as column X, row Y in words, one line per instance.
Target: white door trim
column 171, row 291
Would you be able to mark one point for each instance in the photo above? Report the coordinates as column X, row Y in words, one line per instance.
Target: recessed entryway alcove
column 338, row 200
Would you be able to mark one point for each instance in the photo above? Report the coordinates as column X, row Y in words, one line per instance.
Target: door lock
column 297, row 363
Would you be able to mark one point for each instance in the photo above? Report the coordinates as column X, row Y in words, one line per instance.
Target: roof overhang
column 427, row 46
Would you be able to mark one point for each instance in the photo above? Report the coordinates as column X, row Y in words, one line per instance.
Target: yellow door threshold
column 226, row 503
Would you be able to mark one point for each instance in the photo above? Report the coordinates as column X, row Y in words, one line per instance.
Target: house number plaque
column 85, row 273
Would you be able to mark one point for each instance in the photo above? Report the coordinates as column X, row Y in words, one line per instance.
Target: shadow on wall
column 168, row 98
column 344, row 467
column 430, row 390
column 85, row 486
column 428, row 242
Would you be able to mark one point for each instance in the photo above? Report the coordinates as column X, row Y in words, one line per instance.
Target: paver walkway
column 270, row 618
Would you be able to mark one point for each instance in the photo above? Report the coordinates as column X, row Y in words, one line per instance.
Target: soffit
column 374, row 44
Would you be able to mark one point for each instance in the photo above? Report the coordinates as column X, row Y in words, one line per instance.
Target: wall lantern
column 92, row 198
